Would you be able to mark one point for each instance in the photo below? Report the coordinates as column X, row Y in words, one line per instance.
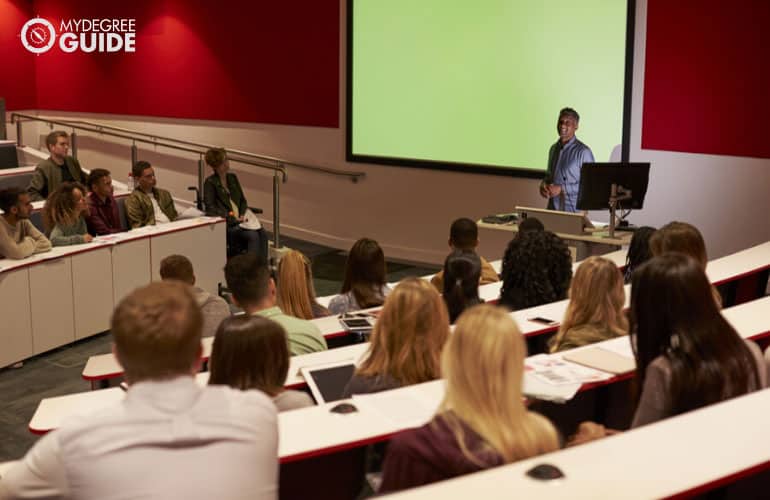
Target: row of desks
column 54, row 298
column 734, row 266
column 314, row 431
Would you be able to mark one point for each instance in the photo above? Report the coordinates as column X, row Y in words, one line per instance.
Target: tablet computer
column 328, row 381
column 360, row 324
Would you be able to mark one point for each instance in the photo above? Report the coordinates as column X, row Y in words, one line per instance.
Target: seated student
column 57, row 168
column 482, row 421
column 250, row 352
column 103, row 216
column 464, row 235
column 248, row 278
column 462, row 269
column 223, row 197
column 169, row 437
column 595, row 310
column 296, row 294
column 213, row 307
column 364, row 283
column 687, row 355
column 684, row 238
column 148, row 205
column 18, row 237
column 639, row 251
column 406, row 341
column 537, row 268
column 63, row 215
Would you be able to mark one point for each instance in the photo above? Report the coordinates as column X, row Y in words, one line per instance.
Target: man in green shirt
column 253, row 289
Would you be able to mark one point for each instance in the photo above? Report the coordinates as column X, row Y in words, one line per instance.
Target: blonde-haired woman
column 482, row 421
column 63, row 215
column 406, row 341
column 296, row 294
column 595, row 310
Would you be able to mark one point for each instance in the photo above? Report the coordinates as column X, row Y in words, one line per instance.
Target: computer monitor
column 596, row 180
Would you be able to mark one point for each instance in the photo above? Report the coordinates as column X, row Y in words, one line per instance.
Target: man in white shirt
column 170, row 437
column 148, row 205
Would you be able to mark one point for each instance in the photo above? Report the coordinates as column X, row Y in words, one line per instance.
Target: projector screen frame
column 509, row 171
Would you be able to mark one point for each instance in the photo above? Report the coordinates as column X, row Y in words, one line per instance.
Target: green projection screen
column 477, row 86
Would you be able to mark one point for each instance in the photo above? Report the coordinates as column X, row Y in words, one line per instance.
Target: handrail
column 353, row 175
column 19, row 119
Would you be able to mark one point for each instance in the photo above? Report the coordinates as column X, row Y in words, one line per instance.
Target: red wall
column 268, row 62
column 707, row 77
column 17, row 76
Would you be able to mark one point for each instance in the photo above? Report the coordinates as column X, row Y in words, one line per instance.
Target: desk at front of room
column 51, row 299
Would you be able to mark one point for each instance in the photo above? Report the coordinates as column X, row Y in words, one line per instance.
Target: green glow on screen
column 482, row 82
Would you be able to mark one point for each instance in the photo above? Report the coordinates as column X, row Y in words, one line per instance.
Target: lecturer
column 565, row 159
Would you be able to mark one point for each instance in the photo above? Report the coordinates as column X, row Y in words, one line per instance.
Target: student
column 639, row 251
column 406, row 341
column 223, row 197
column 169, row 437
column 148, row 205
column 250, row 352
column 248, row 278
column 464, row 235
column 482, row 421
column 296, row 294
column 103, row 216
column 684, row 238
column 462, row 271
column 537, row 269
column 57, row 168
column 687, row 355
column 18, row 237
column 364, row 284
column 213, row 307
column 595, row 310
column 63, row 215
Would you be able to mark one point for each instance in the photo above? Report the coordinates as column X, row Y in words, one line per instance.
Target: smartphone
column 544, row 321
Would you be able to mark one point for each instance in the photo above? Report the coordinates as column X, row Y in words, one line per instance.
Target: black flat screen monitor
column 596, row 180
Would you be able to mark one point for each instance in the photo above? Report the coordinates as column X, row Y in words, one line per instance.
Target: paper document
column 189, row 213
column 250, row 221
column 554, row 370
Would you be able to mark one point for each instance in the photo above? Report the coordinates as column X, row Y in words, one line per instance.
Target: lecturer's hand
column 544, row 190
column 554, row 190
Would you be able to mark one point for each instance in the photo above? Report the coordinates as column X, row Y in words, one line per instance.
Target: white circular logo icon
column 38, row 35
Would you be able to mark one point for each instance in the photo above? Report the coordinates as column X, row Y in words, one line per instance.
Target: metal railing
column 277, row 165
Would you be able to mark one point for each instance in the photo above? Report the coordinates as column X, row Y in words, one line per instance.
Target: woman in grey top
column 364, row 283
column 687, row 355
column 63, row 215
column 251, row 352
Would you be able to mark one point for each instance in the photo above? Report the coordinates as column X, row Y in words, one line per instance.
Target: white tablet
column 328, row 381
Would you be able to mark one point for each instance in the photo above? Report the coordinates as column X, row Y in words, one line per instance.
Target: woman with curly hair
column 406, row 341
column 537, row 269
column 482, row 421
column 595, row 310
column 364, row 283
column 63, row 215
column 296, row 294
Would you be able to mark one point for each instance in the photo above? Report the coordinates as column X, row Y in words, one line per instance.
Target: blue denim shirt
column 564, row 164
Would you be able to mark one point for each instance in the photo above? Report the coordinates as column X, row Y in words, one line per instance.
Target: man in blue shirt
column 565, row 158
